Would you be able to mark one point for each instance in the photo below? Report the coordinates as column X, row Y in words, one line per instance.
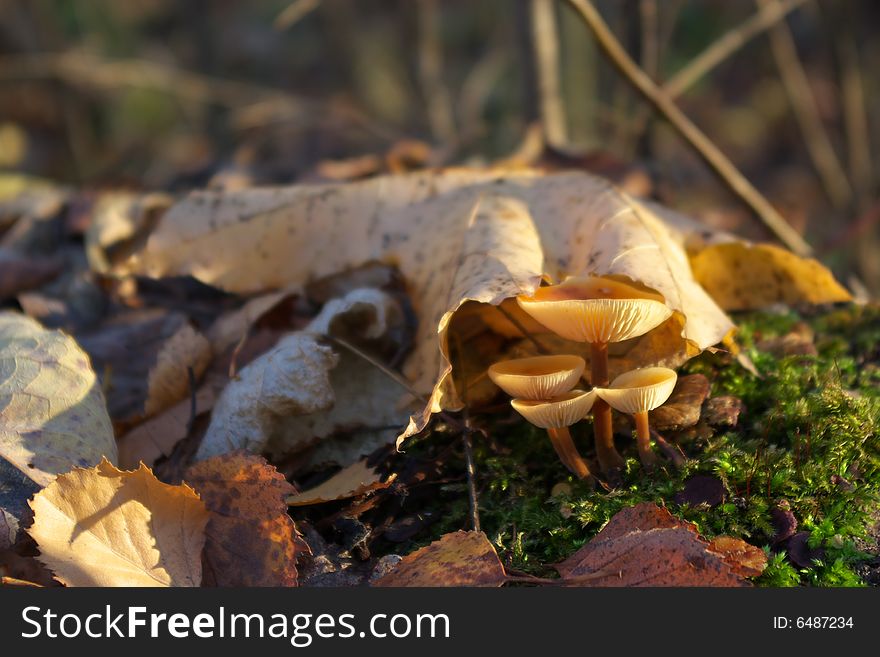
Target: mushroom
column 636, row 393
column 597, row 310
column 556, row 415
column 542, row 390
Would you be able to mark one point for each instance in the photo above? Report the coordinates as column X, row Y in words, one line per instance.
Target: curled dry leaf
column 107, row 527
column 52, row 411
column 292, row 378
column 251, row 541
column 457, row 559
column 301, row 391
column 456, row 236
column 353, row 481
column 645, row 545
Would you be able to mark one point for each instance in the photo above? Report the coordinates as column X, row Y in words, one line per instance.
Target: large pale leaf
column 456, row 236
column 107, row 527
column 52, row 412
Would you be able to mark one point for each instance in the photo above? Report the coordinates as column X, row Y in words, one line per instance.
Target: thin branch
column 728, row 44
column 704, row 147
column 803, row 104
column 437, row 98
column 545, row 42
column 470, row 463
column 522, row 329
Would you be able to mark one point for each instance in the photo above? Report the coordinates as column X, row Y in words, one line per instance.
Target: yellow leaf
column 107, row 527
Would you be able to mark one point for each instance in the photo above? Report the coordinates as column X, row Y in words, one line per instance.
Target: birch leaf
column 456, row 236
column 52, row 411
column 108, row 527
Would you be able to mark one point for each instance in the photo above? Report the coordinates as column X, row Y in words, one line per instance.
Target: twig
column 673, row 453
column 468, row 447
column 193, row 400
column 803, row 105
column 437, row 99
column 728, row 44
column 294, row 13
column 704, row 147
column 545, row 44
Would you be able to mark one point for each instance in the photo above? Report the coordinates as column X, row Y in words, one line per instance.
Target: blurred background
column 104, row 95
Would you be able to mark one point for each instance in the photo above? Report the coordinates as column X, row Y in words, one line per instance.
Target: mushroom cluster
column 544, row 393
column 599, row 311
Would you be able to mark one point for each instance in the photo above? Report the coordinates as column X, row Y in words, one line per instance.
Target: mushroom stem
column 643, row 440
column 568, row 454
column 609, row 458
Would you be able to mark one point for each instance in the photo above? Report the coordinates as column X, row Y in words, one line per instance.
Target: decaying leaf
column 292, row 378
column 169, row 379
column 455, row 236
column 353, row 481
column 52, row 412
column 645, row 545
column 301, row 391
column 701, row 489
column 20, row 272
column 457, row 559
column 107, row 527
column 251, row 541
column 744, row 559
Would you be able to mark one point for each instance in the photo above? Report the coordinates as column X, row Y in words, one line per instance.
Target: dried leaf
column 353, row 481
column 169, row 379
column 251, row 541
column 800, row 552
column 722, row 411
column 645, row 545
column 783, row 522
column 455, row 236
column 746, row 560
column 457, row 559
column 107, row 527
column 682, row 409
column 52, row 412
column 742, row 277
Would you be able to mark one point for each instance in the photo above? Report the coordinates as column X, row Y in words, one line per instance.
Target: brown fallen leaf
column 353, row 481
column 746, row 560
column 645, row 545
column 797, row 342
column 107, row 527
column 783, row 521
column 682, row 409
column 251, row 541
column 457, row 559
column 722, row 411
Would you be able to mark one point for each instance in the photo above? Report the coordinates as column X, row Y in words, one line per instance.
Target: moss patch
column 809, row 438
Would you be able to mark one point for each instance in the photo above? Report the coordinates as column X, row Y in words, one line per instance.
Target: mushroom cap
column 563, row 411
column 538, row 377
column 596, row 309
column 639, row 391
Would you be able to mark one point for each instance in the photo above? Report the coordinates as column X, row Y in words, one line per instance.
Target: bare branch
column 545, row 41
column 704, row 147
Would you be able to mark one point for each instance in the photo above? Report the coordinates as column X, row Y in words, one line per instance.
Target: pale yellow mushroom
column 636, row 393
column 556, row 415
column 539, row 377
column 598, row 310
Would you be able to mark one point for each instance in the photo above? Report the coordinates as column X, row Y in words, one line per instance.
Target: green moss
column 809, row 436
